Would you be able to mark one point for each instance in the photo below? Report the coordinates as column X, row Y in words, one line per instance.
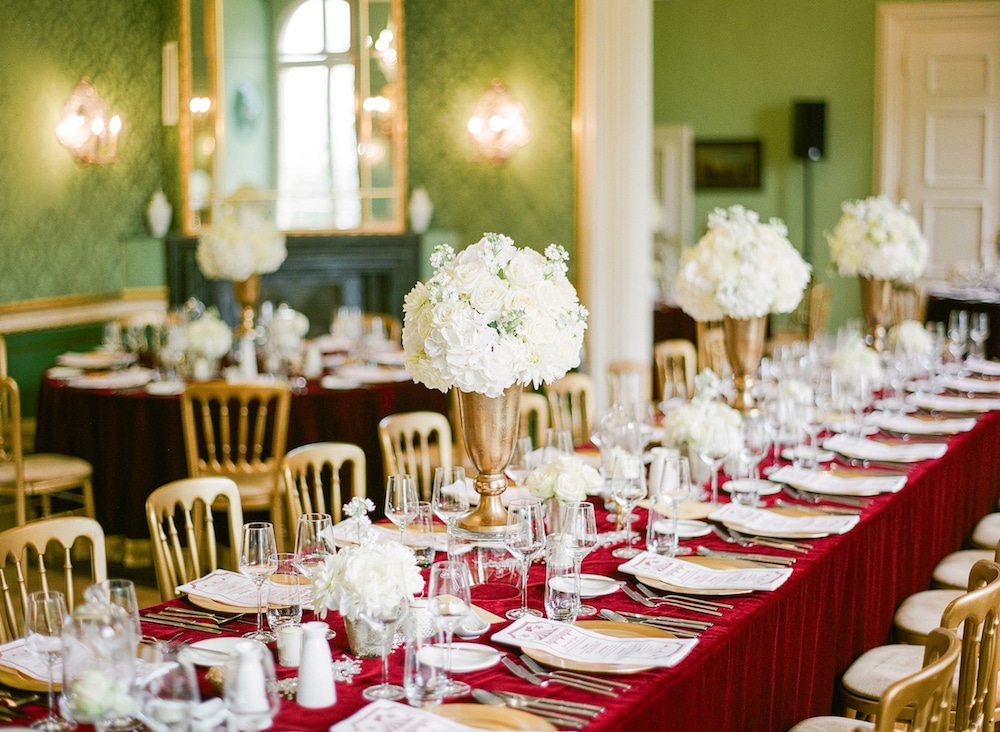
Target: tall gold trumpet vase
column 744, row 340
column 489, row 426
column 247, row 293
column 876, row 305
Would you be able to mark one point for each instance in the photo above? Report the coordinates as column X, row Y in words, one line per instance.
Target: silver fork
column 566, row 677
column 807, row 497
column 829, row 510
column 709, row 604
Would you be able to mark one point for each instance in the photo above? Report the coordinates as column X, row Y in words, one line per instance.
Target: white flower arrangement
column 688, row 423
column 286, row 330
column 566, row 479
column 208, row 336
column 741, row 268
column 371, row 577
column 96, row 694
column 911, row 337
column 875, row 238
column 492, row 316
column 853, row 359
column 243, row 243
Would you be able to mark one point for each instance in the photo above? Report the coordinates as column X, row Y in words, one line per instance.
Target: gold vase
column 247, row 293
column 744, row 340
column 363, row 640
column 489, row 426
column 876, row 305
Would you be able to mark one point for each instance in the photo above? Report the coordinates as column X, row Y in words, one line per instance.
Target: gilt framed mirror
column 299, row 104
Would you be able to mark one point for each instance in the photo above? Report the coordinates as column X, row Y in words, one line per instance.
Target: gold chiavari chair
column 416, row 443
column 312, row 477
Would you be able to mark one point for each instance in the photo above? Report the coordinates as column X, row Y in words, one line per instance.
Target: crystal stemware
column 383, row 619
column 449, row 494
column 258, row 560
column 755, row 438
column 628, row 487
column 579, row 536
column 401, row 501
column 43, row 626
column 979, row 331
column 449, row 602
column 674, row 487
column 521, row 461
column 313, row 542
column 524, row 537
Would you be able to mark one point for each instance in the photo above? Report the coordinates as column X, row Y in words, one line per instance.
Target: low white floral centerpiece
column 741, row 268
column 690, row 424
column 492, row 316
column 208, row 338
column 853, row 360
column 244, row 242
column 362, row 579
column 877, row 239
column 911, row 337
column 566, row 479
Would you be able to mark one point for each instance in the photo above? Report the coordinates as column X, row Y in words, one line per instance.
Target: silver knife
column 537, row 668
column 641, row 599
column 580, row 708
column 522, row 672
column 159, row 620
column 758, row 558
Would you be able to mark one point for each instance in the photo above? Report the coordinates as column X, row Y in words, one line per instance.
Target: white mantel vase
column 421, row 210
column 158, row 214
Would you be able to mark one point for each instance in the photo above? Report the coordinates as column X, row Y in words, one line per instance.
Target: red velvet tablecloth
column 135, row 442
column 776, row 657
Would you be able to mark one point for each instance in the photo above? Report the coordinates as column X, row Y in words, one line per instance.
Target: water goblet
column 258, row 560
column 401, row 501
column 755, row 438
column 169, row 697
column 449, row 602
column 562, row 586
column 121, row 592
column 284, row 593
column 522, row 461
column 579, row 536
column 524, row 537
column 674, row 486
column 383, row 618
column 313, row 542
column 449, row 494
column 713, row 448
column 628, row 487
column 43, row 626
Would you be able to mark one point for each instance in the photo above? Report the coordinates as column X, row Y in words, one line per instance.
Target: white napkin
column 944, row 403
column 769, row 523
column 339, row 382
column 678, row 573
column 383, row 715
column 96, row 359
column 969, row 385
column 905, row 424
column 225, row 587
column 128, row 379
column 833, row 485
column 864, row 449
column 374, row 374
column 987, row 368
column 346, row 533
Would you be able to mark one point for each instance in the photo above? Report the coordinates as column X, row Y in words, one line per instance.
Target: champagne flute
column 449, row 494
column 524, row 537
column 43, row 625
column 713, row 449
column 313, row 542
column 449, row 602
column 628, row 487
column 579, row 536
column 383, row 619
column 258, row 561
column 401, row 501
column 521, row 461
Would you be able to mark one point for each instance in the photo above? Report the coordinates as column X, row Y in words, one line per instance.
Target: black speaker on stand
column 808, row 143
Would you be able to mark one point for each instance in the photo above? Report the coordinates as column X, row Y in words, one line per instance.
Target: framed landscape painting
column 727, row 164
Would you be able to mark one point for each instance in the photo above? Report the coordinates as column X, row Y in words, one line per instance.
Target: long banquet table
column 135, row 441
column 776, row 657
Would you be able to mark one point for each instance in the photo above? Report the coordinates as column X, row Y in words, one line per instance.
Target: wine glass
column 449, row 494
column 521, row 461
column 313, row 542
column 713, row 449
column 674, row 486
column 383, row 618
column 524, row 537
column 557, row 444
column 401, row 501
column 958, row 339
column 449, row 602
column 258, row 560
column 43, row 625
column 169, row 697
column 979, row 331
column 579, row 536
column 628, row 487
column 755, row 437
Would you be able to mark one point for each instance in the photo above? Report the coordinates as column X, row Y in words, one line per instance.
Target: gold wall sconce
column 498, row 125
column 85, row 129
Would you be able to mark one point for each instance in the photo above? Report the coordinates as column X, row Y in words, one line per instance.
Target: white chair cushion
column 44, row 467
column 830, row 724
column 874, row 670
column 953, row 570
column 920, row 613
column 987, row 532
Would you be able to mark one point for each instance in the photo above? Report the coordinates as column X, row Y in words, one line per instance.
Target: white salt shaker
column 316, row 685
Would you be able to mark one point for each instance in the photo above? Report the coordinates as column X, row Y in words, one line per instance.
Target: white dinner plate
column 63, row 373
column 465, row 657
column 805, row 451
column 211, row 651
column 164, row 388
column 688, row 529
column 776, row 534
column 596, row 585
column 764, row 487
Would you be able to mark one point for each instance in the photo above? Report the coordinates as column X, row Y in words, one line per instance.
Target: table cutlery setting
column 744, row 540
column 678, row 626
column 758, row 559
column 571, row 715
column 541, row 677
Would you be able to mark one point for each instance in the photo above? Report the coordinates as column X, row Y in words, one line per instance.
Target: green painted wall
column 454, row 49
column 737, row 78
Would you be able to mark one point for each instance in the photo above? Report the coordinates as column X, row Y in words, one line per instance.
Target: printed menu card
column 573, row 643
column 679, row 573
column 834, row 485
column 16, row 655
column 771, row 523
column 383, row 715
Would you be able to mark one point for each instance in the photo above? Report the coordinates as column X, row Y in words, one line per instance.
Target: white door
column 940, row 116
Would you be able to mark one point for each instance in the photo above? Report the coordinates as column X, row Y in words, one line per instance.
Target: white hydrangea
column 493, row 316
column 242, row 243
column 688, row 423
column 208, row 336
column 911, row 337
column 854, row 359
column 741, row 268
column 876, row 238
column 565, row 479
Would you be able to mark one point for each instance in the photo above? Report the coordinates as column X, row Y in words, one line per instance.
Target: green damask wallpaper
column 454, row 49
column 64, row 226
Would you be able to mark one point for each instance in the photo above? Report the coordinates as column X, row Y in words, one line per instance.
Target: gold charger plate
column 604, row 627
column 482, row 716
column 207, row 603
column 10, row 677
column 791, row 512
column 691, row 510
column 711, row 563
